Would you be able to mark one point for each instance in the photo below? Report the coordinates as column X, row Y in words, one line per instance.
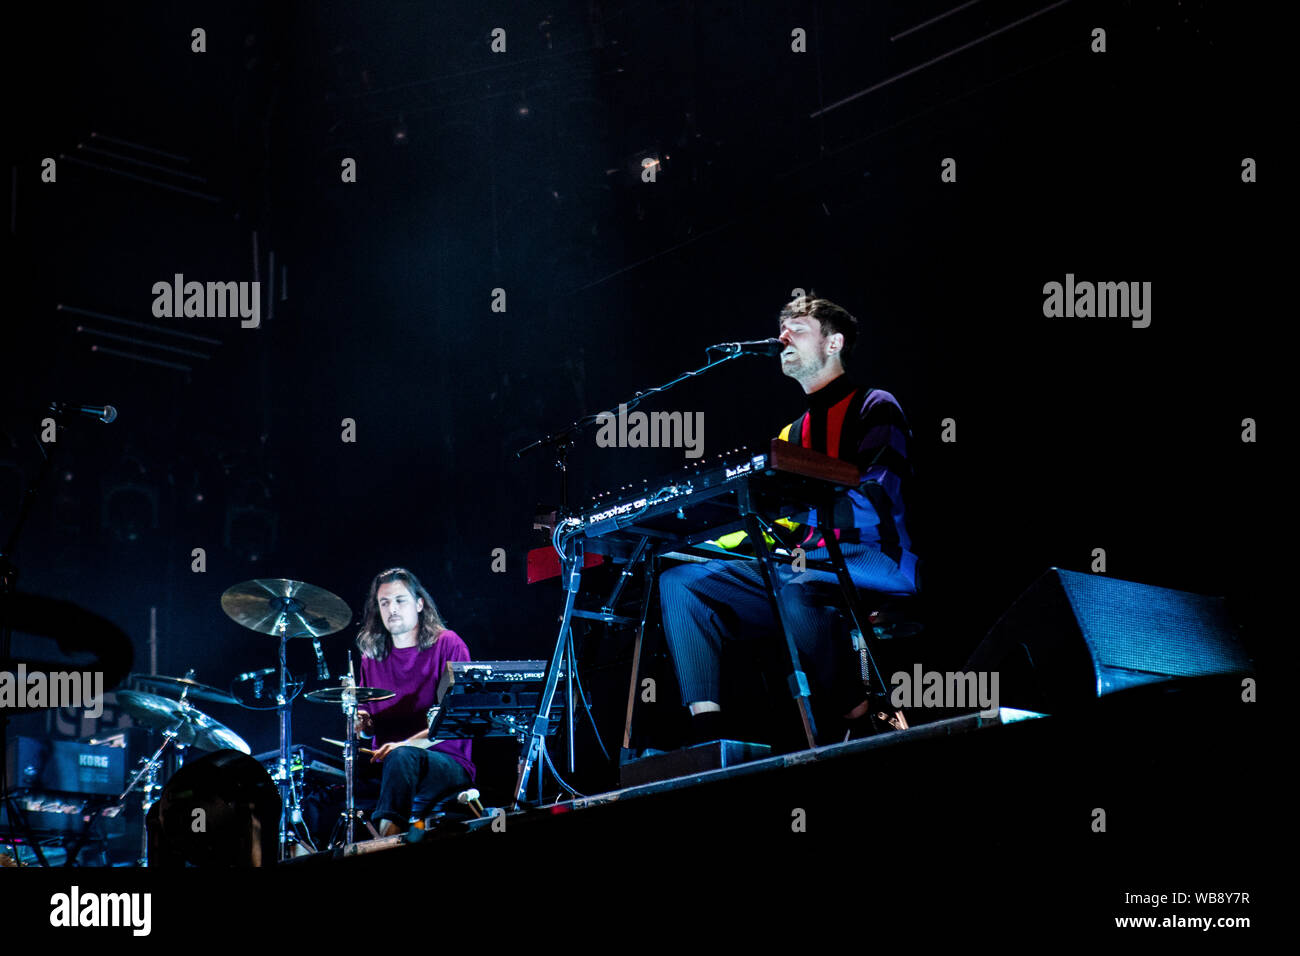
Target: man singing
column 705, row 605
column 405, row 648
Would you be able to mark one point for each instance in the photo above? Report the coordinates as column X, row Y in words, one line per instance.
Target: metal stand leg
column 570, row 725
column 344, row 823
column 149, row 770
column 798, row 680
column 651, row 571
column 572, row 571
column 146, row 804
column 285, row 781
column 349, row 749
column 873, row 683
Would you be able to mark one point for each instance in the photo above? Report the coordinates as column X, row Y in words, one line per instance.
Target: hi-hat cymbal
column 280, row 607
column 334, row 695
column 192, row 689
column 193, row 727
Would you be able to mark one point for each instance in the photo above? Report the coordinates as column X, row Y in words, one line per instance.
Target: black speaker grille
column 1144, row 628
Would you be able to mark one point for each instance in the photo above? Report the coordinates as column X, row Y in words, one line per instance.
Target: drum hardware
column 180, row 723
column 151, row 785
column 347, row 695
column 257, row 690
column 189, row 726
column 189, row 688
column 336, row 695
column 287, row 610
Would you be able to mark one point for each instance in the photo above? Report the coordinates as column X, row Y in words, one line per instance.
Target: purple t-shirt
column 413, row 674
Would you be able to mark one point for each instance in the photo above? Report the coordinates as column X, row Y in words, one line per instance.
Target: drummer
column 405, row 648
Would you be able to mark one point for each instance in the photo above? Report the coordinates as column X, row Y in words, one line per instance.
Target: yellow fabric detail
column 730, row 541
column 737, row 538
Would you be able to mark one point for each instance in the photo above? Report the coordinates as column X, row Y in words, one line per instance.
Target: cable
column 582, row 695
column 546, row 756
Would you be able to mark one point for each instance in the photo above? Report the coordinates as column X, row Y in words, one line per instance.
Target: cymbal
column 193, row 727
column 280, row 607
column 334, row 695
column 193, row 689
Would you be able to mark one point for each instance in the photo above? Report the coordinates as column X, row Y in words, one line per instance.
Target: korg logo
column 93, row 760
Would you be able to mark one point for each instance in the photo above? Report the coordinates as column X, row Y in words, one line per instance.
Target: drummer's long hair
column 373, row 639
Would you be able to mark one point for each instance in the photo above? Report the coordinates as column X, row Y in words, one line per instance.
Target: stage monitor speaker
column 1072, row 637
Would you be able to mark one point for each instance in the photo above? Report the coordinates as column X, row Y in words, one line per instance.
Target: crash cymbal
column 280, row 607
column 334, row 695
column 192, row 689
column 193, row 727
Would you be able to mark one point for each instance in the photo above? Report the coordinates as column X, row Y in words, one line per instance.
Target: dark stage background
column 519, row 171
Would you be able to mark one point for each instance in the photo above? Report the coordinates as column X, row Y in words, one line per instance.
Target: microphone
column 105, row 413
column 756, row 347
column 322, row 672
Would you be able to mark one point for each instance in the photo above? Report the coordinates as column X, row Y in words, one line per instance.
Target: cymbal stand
column 290, row 808
column 184, row 700
column 149, row 770
column 349, row 750
column 146, row 804
column 283, row 705
column 346, row 824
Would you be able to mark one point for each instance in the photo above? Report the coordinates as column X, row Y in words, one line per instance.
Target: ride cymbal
column 284, row 608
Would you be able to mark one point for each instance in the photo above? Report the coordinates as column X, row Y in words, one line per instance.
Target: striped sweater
column 867, row 427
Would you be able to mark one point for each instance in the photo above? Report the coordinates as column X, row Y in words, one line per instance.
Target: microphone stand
column 564, row 437
column 571, row 573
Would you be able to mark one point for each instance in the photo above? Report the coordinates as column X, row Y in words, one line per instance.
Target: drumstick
column 340, row 743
